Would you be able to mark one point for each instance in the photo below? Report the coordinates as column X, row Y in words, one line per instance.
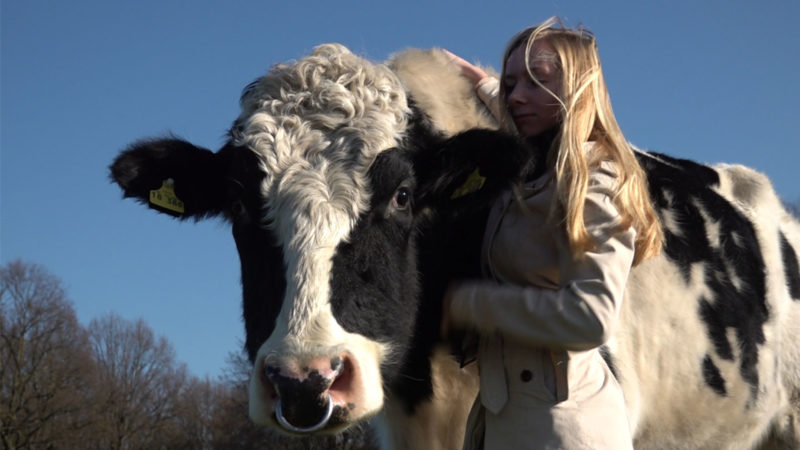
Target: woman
column 557, row 252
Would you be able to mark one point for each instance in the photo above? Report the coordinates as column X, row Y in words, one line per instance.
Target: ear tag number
column 474, row 182
column 164, row 198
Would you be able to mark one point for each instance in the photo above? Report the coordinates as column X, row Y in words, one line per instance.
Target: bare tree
column 139, row 384
column 232, row 412
column 116, row 385
column 44, row 367
column 197, row 406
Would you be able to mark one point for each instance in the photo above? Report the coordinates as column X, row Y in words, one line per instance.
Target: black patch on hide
column 791, row 268
column 713, row 377
column 263, row 282
column 261, row 257
column 373, row 282
column 733, row 268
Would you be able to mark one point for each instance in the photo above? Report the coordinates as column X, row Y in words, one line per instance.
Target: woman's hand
column 469, row 70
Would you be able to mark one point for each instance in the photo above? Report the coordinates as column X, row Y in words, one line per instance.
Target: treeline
column 114, row 384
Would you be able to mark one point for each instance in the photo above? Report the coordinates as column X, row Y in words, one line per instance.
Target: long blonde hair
column 586, row 115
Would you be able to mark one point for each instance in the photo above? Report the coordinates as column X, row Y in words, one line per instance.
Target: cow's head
column 326, row 178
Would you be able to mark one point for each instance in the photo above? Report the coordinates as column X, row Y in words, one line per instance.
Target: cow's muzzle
column 307, row 394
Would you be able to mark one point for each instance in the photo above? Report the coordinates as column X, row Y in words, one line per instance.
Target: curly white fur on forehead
column 317, row 125
column 328, row 110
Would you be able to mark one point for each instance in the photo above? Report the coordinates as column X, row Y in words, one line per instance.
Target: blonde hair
column 586, row 115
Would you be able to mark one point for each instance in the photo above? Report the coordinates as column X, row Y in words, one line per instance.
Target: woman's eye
column 543, row 81
column 402, row 198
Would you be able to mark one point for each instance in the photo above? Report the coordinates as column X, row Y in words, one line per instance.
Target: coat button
column 525, row 375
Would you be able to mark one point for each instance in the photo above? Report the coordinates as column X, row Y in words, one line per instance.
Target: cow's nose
column 307, row 393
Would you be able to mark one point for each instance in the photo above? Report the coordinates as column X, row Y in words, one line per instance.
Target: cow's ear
column 173, row 176
column 469, row 169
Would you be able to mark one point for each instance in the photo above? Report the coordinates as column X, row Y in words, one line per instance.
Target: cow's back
column 704, row 350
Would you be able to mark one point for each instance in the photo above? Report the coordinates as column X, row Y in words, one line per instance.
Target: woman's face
column 532, row 108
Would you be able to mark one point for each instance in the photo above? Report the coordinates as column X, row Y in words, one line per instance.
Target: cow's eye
column 402, row 198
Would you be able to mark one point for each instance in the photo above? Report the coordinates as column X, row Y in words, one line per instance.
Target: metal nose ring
column 300, row 430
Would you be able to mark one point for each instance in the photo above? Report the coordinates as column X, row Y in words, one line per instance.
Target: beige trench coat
column 541, row 320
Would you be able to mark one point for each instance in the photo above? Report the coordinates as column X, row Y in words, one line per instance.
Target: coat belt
column 494, row 386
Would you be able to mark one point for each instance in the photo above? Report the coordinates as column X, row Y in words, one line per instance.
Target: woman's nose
column 516, row 95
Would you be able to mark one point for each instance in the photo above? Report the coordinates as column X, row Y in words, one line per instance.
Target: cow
column 357, row 191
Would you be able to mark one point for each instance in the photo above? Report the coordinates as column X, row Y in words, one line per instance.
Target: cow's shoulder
column 748, row 188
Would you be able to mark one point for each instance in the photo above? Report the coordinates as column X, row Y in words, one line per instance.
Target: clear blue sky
column 716, row 81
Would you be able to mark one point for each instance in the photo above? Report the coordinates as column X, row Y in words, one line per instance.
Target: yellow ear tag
column 165, row 197
column 474, row 182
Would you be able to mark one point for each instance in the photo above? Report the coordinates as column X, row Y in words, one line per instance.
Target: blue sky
column 714, row 81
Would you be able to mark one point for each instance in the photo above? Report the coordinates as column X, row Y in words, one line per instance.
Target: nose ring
column 301, row 430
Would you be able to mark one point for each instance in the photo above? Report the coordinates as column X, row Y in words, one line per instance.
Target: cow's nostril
column 271, row 372
column 336, row 364
column 343, row 383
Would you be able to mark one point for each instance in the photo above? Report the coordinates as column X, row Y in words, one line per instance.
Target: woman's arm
column 486, row 86
column 578, row 316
